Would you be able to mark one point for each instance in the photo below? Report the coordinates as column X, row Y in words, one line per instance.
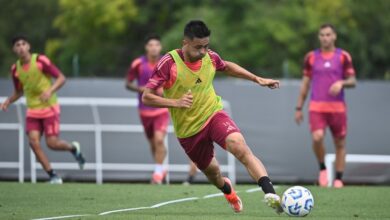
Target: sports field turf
column 30, row 201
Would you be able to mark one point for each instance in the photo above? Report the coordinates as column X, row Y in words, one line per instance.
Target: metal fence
column 98, row 128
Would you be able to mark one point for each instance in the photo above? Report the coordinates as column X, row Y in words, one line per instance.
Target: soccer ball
column 297, row 201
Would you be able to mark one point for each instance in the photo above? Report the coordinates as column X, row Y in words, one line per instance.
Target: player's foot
column 232, row 198
column 338, row 184
column 78, row 155
column 273, row 201
column 158, row 178
column 323, row 178
column 55, row 180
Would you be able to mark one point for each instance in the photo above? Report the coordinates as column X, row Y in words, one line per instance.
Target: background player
column 327, row 70
column 32, row 76
column 187, row 75
column 154, row 120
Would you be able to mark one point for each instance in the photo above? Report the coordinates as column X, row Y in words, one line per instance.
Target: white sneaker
column 273, row 201
column 55, row 180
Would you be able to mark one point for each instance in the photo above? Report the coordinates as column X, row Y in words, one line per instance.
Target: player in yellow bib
column 187, row 76
column 32, row 76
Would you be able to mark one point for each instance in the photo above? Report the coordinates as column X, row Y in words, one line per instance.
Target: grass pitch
column 34, row 201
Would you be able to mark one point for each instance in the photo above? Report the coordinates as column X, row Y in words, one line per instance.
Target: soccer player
column 32, row 76
column 154, row 120
column 197, row 112
column 327, row 70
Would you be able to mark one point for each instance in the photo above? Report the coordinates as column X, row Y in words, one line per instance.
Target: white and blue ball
column 297, row 201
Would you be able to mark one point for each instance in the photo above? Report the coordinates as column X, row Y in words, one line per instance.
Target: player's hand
column 4, row 105
column 270, row 83
column 185, row 101
column 141, row 89
column 336, row 88
column 45, row 96
column 298, row 117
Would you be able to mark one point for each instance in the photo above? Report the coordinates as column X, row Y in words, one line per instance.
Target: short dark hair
column 196, row 28
column 328, row 25
column 17, row 38
column 150, row 37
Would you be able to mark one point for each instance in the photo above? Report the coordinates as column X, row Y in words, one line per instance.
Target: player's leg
column 200, row 149
column 214, row 175
column 160, row 152
column 235, row 144
column 34, row 128
column 226, row 133
column 338, row 127
column 317, row 126
column 51, row 128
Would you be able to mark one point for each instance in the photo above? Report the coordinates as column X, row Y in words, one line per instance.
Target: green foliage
column 91, row 29
column 269, row 37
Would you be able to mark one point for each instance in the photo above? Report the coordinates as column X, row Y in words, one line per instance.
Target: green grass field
column 30, row 201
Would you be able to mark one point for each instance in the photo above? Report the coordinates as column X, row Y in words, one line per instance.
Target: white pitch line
column 212, row 195
column 151, row 207
column 61, row 217
column 173, row 201
column 123, row 210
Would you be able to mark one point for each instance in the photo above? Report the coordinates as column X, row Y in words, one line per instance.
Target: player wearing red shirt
column 32, row 76
column 327, row 71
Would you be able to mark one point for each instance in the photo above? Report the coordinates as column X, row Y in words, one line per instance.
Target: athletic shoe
column 273, row 201
column 55, row 180
column 323, row 178
column 158, row 178
column 78, row 155
column 232, row 198
column 338, row 184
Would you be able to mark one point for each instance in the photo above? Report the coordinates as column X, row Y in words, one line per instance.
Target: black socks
column 266, row 185
column 322, row 166
column 74, row 150
column 226, row 189
column 339, row 175
column 51, row 173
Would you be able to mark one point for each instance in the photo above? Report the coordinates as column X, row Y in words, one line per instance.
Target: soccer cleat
column 232, row 198
column 78, row 155
column 323, row 178
column 338, row 184
column 55, row 180
column 273, row 201
column 158, row 178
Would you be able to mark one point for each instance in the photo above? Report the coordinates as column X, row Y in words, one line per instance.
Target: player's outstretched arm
column 237, row 71
column 132, row 87
column 305, row 86
column 13, row 98
column 150, row 98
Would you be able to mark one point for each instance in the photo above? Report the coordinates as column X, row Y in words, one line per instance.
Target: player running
column 327, row 70
column 197, row 112
column 154, row 120
column 32, row 76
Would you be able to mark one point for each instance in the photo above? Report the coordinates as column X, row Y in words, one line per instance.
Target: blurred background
column 94, row 42
column 100, row 38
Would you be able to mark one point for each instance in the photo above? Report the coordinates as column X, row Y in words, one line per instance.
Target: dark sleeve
column 307, row 65
column 347, row 65
column 161, row 73
column 17, row 84
column 48, row 67
column 133, row 71
column 220, row 65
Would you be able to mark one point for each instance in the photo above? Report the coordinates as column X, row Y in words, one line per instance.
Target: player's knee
column 51, row 143
column 318, row 136
column 34, row 143
column 235, row 141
